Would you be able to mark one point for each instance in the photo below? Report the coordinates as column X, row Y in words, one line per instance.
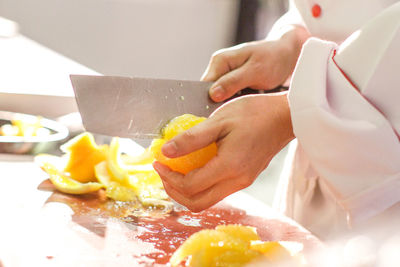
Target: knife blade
column 137, row 107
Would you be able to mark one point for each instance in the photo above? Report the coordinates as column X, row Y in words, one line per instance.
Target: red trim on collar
column 344, row 74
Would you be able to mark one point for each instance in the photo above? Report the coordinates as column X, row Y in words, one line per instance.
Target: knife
column 137, row 108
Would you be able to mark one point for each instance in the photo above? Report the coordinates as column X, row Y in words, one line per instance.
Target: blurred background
column 43, row 41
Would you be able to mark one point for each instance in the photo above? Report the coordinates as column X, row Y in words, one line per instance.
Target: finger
column 230, row 83
column 175, row 179
column 225, row 60
column 218, row 66
column 164, row 170
column 197, row 137
column 207, row 198
column 197, row 180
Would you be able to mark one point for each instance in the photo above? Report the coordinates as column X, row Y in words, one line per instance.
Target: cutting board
column 42, row 227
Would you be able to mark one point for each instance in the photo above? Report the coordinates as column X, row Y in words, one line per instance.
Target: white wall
column 153, row 38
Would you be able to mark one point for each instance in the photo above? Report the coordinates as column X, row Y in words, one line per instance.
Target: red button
column 316, row 11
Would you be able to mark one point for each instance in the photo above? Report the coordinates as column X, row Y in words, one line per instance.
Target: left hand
column 249, row 131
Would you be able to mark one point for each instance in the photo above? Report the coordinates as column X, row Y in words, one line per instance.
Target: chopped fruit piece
column 119, row 192
column 125, row 177
column 9, row 130
column 121, row 166
column 273, row 250
column 188, row 162
column 202, row 248
column 245, row 233
column 229, row 245
column 102, row 173
column 27, row 125
column 68, row 185
column 146, row 185
column 236, row 258
column 83, row 155
column 114, row 161
column 143, row 159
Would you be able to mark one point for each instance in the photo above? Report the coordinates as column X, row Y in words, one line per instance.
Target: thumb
column 192, row 139
column 230, row 83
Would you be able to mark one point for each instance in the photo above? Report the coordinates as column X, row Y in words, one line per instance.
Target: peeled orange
column 188, row 162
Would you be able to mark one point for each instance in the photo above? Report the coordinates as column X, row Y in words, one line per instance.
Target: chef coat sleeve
column 291, row 18
column 345, row 107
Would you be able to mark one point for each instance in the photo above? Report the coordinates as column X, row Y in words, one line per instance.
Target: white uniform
column 345, row 105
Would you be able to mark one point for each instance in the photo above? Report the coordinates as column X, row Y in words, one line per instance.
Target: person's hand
column 249, row 131
column 259, row 65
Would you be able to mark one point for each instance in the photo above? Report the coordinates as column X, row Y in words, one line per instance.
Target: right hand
column 248, row 131
column 258, row 65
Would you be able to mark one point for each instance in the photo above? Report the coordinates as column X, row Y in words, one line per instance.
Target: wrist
column 292, row 40
column 284, row 120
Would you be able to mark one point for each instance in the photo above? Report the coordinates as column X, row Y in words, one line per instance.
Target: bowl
column 31, row 144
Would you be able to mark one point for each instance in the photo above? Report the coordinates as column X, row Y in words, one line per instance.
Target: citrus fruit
column 68, row 185
column 27, row 125
column 114, row 161
column 125, row 177
column 227, row 245
column 144, row 185
column 102, row 173
column 190, row 161
column 202, row 247
column 245, row 233
column 148, row 186
column 143, row 159
column 120, row 192
column 83, row 154
column 272, row 250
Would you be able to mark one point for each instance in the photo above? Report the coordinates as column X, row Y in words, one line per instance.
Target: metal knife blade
column 137, row 107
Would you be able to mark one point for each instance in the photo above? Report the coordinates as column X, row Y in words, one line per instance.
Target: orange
column 229, row 245
column 190, row 161
column 83, row 155
column 145, row 185
column 245, row 233
column 120, row 192
column 272, row 250
column 67, row 185
column 202, row 248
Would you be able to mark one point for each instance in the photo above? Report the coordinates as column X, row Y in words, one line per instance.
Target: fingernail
column 217, row 92
column 169, row 149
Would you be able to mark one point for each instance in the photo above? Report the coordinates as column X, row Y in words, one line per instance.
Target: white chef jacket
column 345, row 105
